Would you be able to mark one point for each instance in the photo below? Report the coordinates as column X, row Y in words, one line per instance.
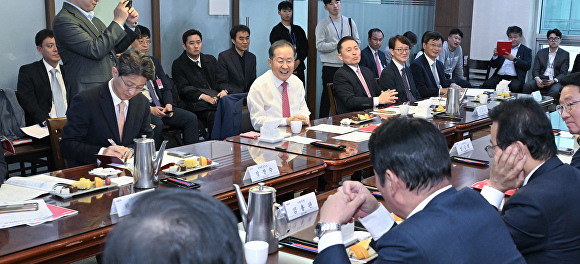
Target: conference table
column 80, row 236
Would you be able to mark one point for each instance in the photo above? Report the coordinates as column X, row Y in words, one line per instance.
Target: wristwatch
column 321, row 228
column 556, row 80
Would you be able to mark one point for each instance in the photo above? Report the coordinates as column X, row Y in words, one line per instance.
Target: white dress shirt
column 58, row 74
column 377, row 223
column 432, row 63
column 265, row 99
column 116, row 102
column 550, row 67
column 375, row 58
column 495, row 197
column 508, row 67
column 353, row 68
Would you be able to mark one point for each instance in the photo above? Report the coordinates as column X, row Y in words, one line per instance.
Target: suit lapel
column 236, row 62
column 130, row 120
column 79, row 16
column 427, row 67
column 358, row 88
column 106, row 103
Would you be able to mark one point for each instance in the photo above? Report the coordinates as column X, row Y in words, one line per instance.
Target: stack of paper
column 21, row 218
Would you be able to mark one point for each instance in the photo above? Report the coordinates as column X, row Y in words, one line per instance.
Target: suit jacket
column 229, row 73
column 301, row 43
column 561, row 63
column 543, row 216
column 92, row 120
column 454, row 227
column 576, row 67
column 165, row 94
column 368, row 60
column 35, row 93
column 88, row 50
column 3, row 169
column 349, row 93
column 424, row 79
column 189, row 78
column 391, row 79
column 522, row 65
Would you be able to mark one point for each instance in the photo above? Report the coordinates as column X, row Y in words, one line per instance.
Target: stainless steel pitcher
column 146, row 164
column 259, row 215
column 453, row 101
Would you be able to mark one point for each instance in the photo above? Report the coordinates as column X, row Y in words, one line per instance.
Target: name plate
column 262, row 171
column 462, row 146
column 300, row 206
column 480, row 111
column 122, row 205
column 537, row 96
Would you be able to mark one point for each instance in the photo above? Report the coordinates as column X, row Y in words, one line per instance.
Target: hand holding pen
column 120, row 152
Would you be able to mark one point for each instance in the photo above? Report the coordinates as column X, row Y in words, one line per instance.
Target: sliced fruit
column 203, row 161
column 358, row 251
column 98, row 182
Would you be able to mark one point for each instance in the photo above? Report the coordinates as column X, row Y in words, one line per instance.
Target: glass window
column 561, row 14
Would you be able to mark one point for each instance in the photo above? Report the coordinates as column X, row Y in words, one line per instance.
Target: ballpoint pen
column 112, row 142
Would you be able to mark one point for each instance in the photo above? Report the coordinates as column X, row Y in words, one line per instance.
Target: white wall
column 491, row 18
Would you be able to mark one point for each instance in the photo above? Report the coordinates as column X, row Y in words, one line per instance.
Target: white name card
column 537, row 96
column 462, row 146
column 300, row 206
column 262, row 171
column 480, row 111
column 122, row 205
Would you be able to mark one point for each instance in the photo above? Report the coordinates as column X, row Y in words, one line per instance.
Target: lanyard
column 292, row 36
column 551, row 62
column 341, row 27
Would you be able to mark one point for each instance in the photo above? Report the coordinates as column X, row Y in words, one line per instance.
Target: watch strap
column 321, row 228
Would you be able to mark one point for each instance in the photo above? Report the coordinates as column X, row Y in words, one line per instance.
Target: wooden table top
column 63, row 239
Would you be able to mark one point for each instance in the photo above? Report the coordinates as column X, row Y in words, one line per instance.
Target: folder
column 504, row 47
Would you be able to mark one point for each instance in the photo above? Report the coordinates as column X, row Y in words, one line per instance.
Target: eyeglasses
column 139, row 89
column 490, row 149
column 567, row 107
column 435, row 45
column 402, row 50
column 554, row 39
column 144, row 41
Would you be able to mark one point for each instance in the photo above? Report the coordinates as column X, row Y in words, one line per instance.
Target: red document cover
column 370, row 128
column 7, row 145
column 504, row 47
column 479, row 185
column 57, row 212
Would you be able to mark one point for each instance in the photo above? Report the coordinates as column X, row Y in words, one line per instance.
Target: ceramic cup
column 296, row 126
column 483, row 98
column 404, row 110
column 256, row 252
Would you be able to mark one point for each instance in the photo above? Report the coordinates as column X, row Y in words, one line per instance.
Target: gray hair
column 134, row 62
column 279, row 44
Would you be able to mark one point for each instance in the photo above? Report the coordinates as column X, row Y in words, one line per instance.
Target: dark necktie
column 410, row 96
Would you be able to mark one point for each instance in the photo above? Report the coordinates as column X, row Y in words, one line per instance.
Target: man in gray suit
column 550, row 66
column 87, row 46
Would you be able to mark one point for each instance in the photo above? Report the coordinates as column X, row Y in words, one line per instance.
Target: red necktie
column 285, row 101
column 362, row 80
column 379, row 68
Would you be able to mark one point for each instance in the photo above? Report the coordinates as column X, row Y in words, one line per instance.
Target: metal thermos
column 453, row 101
column 146, row 164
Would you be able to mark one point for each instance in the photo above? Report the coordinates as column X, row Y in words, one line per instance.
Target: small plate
column 213, row 164
column 81, row 192
column 104, row 172
column 352, row 122
column 385, row 112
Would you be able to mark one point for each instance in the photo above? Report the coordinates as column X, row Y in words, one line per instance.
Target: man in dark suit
column 512, row 66
column 569, row 109
column 550, row 66
column 354, row 87
column 159, row 91
column 294, row 34
column 428, row 72
column 42, row 92
column 543, row 214
column 114, row 110
column 371, row 56
column 396, row 75
column 442, row 225
column 88, row 48
column 236, row 69
column 194, row 74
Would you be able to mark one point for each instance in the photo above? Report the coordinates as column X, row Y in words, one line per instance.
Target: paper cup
column 483, row 98
column 256, row 252
column 404, row 109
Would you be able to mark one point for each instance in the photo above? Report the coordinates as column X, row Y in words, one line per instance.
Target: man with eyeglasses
column 452, row 57
column 412, row 39
column 511, row 66
column 570, row 110
column 371, row 56
column 105, row 119
column 397, row 76
column 428, row 71
column 159, row 91
column 542, row 216
column 550, row 66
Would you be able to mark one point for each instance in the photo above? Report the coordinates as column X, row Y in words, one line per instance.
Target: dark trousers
column 183, row 119
column 207, row 119
column 327, row 77
column 516, row 86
